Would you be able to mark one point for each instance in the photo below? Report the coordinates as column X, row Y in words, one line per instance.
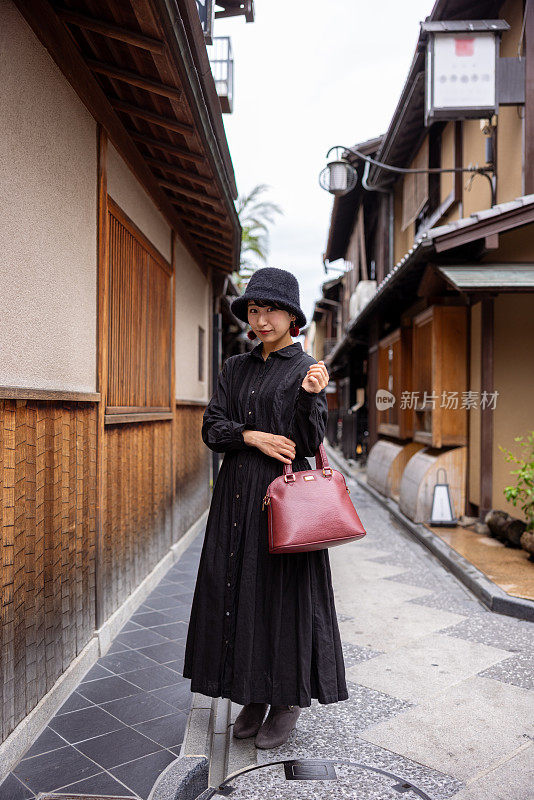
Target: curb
column 184, row 779
column 188, row 776
column 491, row 595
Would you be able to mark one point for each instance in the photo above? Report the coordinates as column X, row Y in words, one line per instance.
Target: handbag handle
column 321, row 461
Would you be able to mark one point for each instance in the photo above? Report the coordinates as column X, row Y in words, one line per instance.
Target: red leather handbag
column 310, row 509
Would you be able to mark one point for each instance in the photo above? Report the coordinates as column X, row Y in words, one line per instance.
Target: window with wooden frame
column 415, row 187
column 435, row 208
column 439, row 357
column 139, row 324
column 394, row 375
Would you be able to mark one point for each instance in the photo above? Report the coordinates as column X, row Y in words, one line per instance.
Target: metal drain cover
column 308, row 770
column 312, row 779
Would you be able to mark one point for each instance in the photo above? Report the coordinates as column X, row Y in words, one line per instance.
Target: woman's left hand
column 316, row 378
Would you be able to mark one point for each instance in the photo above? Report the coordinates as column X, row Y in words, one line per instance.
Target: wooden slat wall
column 192, row 459
column 136, row 517
column 128, row 269
column 140, row 318
column 158, row 335
column 47, row 510
column 137, row 513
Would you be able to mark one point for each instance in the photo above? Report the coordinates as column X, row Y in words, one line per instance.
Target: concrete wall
column 126, row 190
column 515, row 245
column 193, row 308
column 514, row 379
column 447, row 162
column 510, row 130
column 48, row 255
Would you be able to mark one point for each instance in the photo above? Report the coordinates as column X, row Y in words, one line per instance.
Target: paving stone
column 411, row 635
column 463, row 730
column 511, row 634
column 425, row 667
column 511, row 780
column 354, row 654
column 517, row 670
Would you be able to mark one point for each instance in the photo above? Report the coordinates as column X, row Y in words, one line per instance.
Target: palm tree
column 255, row 215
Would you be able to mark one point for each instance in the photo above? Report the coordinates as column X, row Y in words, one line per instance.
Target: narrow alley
column 440, row 688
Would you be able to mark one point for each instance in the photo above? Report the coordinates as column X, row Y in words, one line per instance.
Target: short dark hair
column 263, row 303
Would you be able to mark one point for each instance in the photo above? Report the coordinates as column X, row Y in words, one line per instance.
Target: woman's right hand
column 272, row 444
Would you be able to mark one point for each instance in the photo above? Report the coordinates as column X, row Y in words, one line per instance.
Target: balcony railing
column 222, row 67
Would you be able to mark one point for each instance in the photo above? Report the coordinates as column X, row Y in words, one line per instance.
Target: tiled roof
column 425, row 240
column 432, row 233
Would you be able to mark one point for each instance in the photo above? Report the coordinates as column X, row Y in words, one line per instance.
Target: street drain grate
column 307, row 770
column 59, row 796
column 364, row 779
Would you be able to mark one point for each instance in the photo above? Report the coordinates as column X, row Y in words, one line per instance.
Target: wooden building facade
column 119, row 229
column 438, row 290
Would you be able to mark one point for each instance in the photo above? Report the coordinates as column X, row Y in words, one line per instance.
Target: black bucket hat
column 270, row 283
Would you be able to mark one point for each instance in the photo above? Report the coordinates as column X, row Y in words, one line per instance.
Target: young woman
column 263, row 627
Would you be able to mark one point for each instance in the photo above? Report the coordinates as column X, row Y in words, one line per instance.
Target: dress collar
column 288, row 351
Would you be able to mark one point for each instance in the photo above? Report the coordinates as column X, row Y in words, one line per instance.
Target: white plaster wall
column 126, row 190
column 48, row 251
column 193, row 308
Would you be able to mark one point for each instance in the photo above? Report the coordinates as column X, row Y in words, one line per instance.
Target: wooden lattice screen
column 140, row 320
column 415, row 187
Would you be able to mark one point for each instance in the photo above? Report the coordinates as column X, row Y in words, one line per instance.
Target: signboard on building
column 461, row 68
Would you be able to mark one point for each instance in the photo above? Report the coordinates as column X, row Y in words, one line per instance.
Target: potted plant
column 522, row 493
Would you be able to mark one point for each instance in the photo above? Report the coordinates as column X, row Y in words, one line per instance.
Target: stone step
column 240, row 753
column 200, row 725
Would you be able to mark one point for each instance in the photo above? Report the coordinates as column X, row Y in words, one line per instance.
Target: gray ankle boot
column 278, row 724
column 248, row 721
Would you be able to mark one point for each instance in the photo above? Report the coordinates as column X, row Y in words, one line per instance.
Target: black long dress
column 263, row 627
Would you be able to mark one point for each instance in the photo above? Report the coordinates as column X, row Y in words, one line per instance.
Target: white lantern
column 442, row 506
column 338, row 177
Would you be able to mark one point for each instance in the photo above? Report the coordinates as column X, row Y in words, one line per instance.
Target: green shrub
column 522, row 493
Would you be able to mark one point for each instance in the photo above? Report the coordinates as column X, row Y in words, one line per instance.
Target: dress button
column 250, row 412
column 252, row 392
column 240, row 465
column 235, row 523
column 227, row 613
column 228, row 584
column 237, row 495
column 231, row 554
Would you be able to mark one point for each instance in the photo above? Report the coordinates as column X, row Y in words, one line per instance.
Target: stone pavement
column 440, row 694
column 124, row 723
column 440, row 688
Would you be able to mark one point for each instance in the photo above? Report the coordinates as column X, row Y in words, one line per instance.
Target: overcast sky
column 309, row 75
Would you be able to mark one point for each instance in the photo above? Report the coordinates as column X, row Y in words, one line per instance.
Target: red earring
column 294, row 330
column 251, row 334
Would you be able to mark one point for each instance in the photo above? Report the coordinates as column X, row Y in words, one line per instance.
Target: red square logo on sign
column 464, row 47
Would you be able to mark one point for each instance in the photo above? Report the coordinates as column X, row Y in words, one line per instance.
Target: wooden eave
column 235, row 8
column 130, row 64
column 486, row 226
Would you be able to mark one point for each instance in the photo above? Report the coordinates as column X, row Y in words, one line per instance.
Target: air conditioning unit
column 361, row 296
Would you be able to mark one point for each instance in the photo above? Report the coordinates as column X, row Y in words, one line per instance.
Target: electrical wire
column 404, row 170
